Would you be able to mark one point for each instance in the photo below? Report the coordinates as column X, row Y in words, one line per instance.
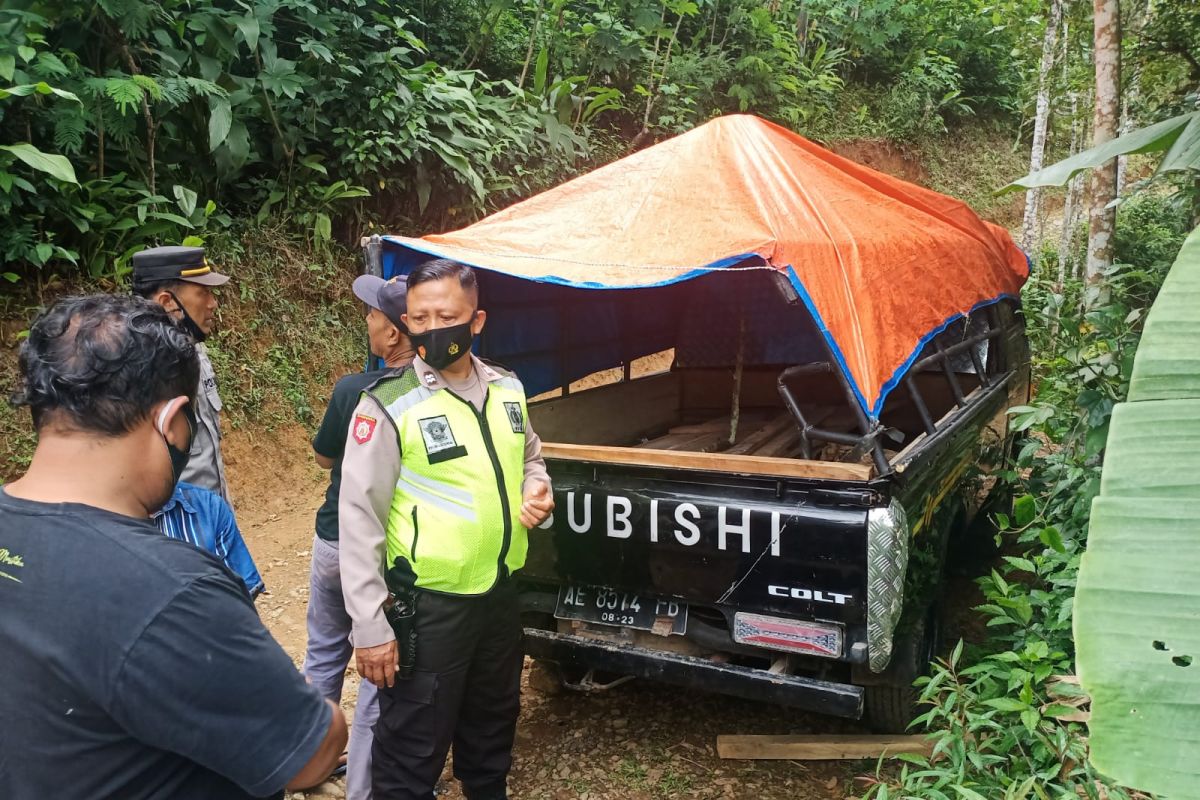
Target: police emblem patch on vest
column 440, row 444
column 515, row 417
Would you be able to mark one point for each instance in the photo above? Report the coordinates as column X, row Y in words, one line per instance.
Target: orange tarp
column 881, row 263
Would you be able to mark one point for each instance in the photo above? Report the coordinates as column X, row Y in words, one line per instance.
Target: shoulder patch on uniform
column 363, row 429
column 498, row 367
column 515, row 416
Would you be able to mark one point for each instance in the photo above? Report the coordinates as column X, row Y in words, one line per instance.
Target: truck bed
column 683, row 419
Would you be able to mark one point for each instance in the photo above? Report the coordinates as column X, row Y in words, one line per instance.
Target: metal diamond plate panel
column 887, row 561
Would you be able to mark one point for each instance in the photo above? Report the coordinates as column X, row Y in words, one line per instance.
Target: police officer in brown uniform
column 441, row 479
column 181, row 280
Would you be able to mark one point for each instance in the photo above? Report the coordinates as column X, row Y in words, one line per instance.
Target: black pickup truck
column 794, row 556
column 771, row 384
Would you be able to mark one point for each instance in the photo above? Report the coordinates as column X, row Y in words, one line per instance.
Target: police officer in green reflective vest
column 442, row 478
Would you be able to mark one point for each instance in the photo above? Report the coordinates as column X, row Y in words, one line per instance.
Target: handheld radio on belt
column 401, row 613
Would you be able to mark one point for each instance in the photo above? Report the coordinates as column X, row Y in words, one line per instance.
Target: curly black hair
column 101, row 362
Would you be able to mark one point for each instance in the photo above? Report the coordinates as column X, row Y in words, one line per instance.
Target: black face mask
column 186, row 322
column 441, row 347
column 179, row 458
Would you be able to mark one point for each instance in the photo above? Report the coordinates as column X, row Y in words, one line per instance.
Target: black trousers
column 466, row 691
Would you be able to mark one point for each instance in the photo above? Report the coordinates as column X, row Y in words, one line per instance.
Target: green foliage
column 122, row 120
column 1005, row 714
column 1163, row 57
column 1178, row 138
column 1003, row 729
column 970, row 172
column 55, row 169
column 939, row 61
column 301, row 111
column 283, row 284
column 1150, row 231
column 1136, row 583
column 16, row 429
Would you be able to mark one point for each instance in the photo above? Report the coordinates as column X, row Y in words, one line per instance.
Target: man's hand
column 317, row 770
column 378, row 664
column 536, row 504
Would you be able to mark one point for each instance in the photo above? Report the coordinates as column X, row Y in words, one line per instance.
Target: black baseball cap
column 158, row 264
column 389, row 297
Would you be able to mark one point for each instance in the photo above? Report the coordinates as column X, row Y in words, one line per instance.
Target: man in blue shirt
column 201, row 518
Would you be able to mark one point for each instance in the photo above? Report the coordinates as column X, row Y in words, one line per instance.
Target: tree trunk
column 1066, row 245
column 1041, row 122
column 1102, row 219
column 489, row 32
column 537, row 21
column 1125, row 127
column 1130, row 96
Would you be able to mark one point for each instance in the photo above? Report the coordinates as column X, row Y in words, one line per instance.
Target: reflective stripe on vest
column 455, row 515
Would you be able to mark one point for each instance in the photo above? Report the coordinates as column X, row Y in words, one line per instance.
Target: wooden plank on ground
column 713, row 462
column 820, row 748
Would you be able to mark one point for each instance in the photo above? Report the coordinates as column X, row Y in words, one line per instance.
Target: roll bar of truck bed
column 868, row 438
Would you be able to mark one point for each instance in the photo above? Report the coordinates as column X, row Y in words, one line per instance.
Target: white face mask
column 179, row 458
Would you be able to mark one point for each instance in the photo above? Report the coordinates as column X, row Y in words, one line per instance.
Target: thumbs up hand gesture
column 536, row 503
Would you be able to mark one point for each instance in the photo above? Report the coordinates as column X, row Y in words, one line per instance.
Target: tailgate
column 753, row 543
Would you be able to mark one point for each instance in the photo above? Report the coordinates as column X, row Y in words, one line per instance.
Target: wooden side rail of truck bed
column 712, row 462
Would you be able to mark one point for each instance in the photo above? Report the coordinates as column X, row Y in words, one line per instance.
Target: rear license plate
column 621, row 609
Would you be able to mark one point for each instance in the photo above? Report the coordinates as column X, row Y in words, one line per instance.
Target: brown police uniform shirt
column 206, row 467
column 370, row 470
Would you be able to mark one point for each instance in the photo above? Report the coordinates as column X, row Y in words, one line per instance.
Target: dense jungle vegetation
column 277, row 132
column 126, row 123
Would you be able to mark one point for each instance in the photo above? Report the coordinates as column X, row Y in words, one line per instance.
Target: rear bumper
column 823, row 697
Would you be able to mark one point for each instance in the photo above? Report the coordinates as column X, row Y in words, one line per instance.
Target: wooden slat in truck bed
column 712, row 462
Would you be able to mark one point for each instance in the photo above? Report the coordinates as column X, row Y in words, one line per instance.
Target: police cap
column 158, row 264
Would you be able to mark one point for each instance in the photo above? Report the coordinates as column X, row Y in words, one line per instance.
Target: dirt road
column 640, row 741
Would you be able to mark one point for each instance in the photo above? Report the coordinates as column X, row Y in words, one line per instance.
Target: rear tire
column 889, row 707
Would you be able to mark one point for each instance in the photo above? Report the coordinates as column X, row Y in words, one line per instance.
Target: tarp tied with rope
column 881, row 264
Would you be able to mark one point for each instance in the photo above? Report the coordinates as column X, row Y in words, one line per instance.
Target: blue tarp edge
column 888, row 385
column 897, row 376
column 556, row 280
column 836, row 351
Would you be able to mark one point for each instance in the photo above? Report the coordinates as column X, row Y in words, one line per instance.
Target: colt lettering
column 815, row 595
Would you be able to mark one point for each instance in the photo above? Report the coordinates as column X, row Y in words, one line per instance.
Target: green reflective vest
column 455, row 515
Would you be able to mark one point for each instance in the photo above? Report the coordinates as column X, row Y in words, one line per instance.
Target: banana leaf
column 1137, row 603
column 1178, row 136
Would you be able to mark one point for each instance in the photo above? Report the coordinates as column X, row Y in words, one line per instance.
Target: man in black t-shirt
column 329, row 647
column 133, row 665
